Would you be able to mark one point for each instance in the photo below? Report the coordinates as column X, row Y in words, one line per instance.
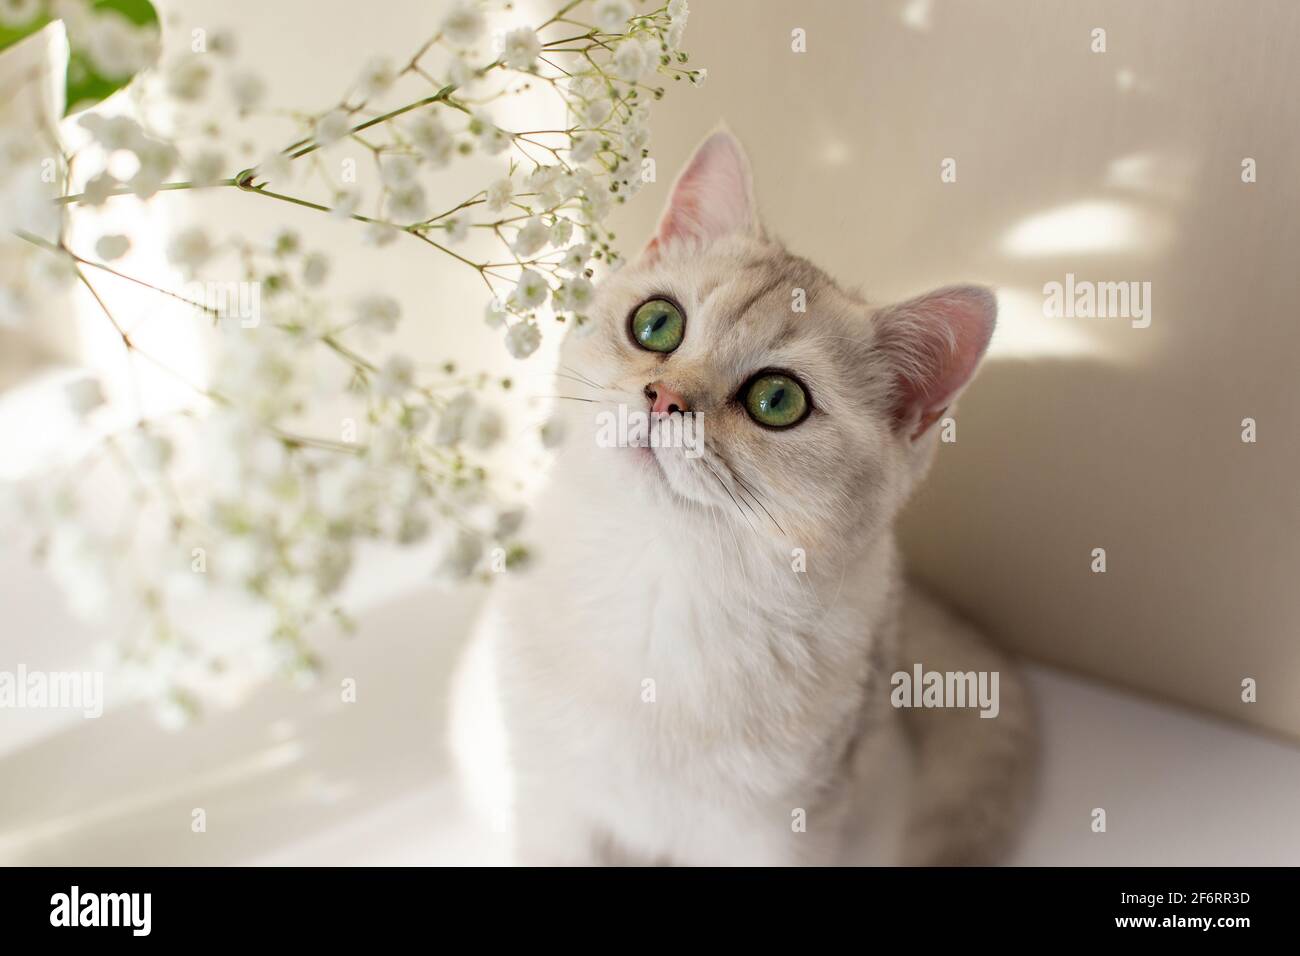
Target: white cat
column 698, row 669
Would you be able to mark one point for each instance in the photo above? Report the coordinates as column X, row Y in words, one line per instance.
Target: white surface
column 301, row 778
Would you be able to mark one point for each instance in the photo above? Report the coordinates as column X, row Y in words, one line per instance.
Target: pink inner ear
column 710, row 199
column 936, row 343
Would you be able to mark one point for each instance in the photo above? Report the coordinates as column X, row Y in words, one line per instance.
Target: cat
column 697, row 671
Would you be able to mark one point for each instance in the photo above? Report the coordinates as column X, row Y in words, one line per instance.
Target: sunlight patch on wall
column 1088, row 227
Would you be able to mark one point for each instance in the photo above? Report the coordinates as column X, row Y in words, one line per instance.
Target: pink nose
column 663, row 400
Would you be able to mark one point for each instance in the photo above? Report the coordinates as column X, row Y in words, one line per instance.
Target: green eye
column 776, row 400
column 658, row 325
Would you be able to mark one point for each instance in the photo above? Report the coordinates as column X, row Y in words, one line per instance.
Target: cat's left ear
column 713, row 197
column 934, row 344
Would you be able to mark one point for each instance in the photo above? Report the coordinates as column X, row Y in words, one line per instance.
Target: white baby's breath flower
column 376, row 76
column 408, row 204
column 113, row 132
column 584, row 147
column 156, row 163
column 612, row 15
column 521, row 48
column 575, row 257
column 275, row 167
column 461, row 557
column 315, row 268
column 346, row 203
column 596, row 111
column 531, row 290
column 574, row 295
column 499, row 194
column 116, row 47
column 331, row 127
column 380, row 234
column 678, row 10
column 561, row 231
column 18, row 13
column 491, row 139
column 523, row 339
column 464, row 23
column 395, row 377
column 187, row 78
column 532, row 238
column 111, row 247
column 379, row 312
column 189, row 249
column 398, row 171
column 84, row 395
column 698, row 77
column 457, row 228
column 206, row 167
column 451, row 421
column 495, row 314
column 483, row 428
column 248, row 90
column 630, row 61
column 432, row 139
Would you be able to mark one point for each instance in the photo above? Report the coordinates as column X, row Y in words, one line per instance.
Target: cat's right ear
column 713, row 197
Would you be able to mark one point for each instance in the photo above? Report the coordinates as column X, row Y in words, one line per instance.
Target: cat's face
column 773, row 397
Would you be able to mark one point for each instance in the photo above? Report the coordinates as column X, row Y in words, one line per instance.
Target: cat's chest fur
column 682, row 672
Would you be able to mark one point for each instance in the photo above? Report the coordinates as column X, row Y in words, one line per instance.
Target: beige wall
column 1079, row 433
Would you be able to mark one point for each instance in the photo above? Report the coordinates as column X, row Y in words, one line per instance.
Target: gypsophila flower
column 206, row 167
column 376, row 76
column 18, row 13
column 331, row 127
column 434, row 141
column 612, row 15
column 320, row 437
column 521, row 48
column 522, row 339
column 495, row 314
column 575, row 257
column 574, row 294
column 584, row 147
column 408, row 204
column 112, row 247
column 457, row 228
column 187, row 78
column 248, row 90
column 531, row 290
column 464, row 23
column 561, row 231
column 398, row 171
column 315, row 268
column 499, row 194
column 346, row 203
column 84, row 395
column 379, row 312
column 189, row 249
column 532, row 238
column 631, row 61
column 396, row 377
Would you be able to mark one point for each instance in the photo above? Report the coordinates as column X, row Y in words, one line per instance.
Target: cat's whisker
column 747, row 488
column 724, row 487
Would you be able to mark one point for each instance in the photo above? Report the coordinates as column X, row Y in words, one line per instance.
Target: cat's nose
column 663, row 400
